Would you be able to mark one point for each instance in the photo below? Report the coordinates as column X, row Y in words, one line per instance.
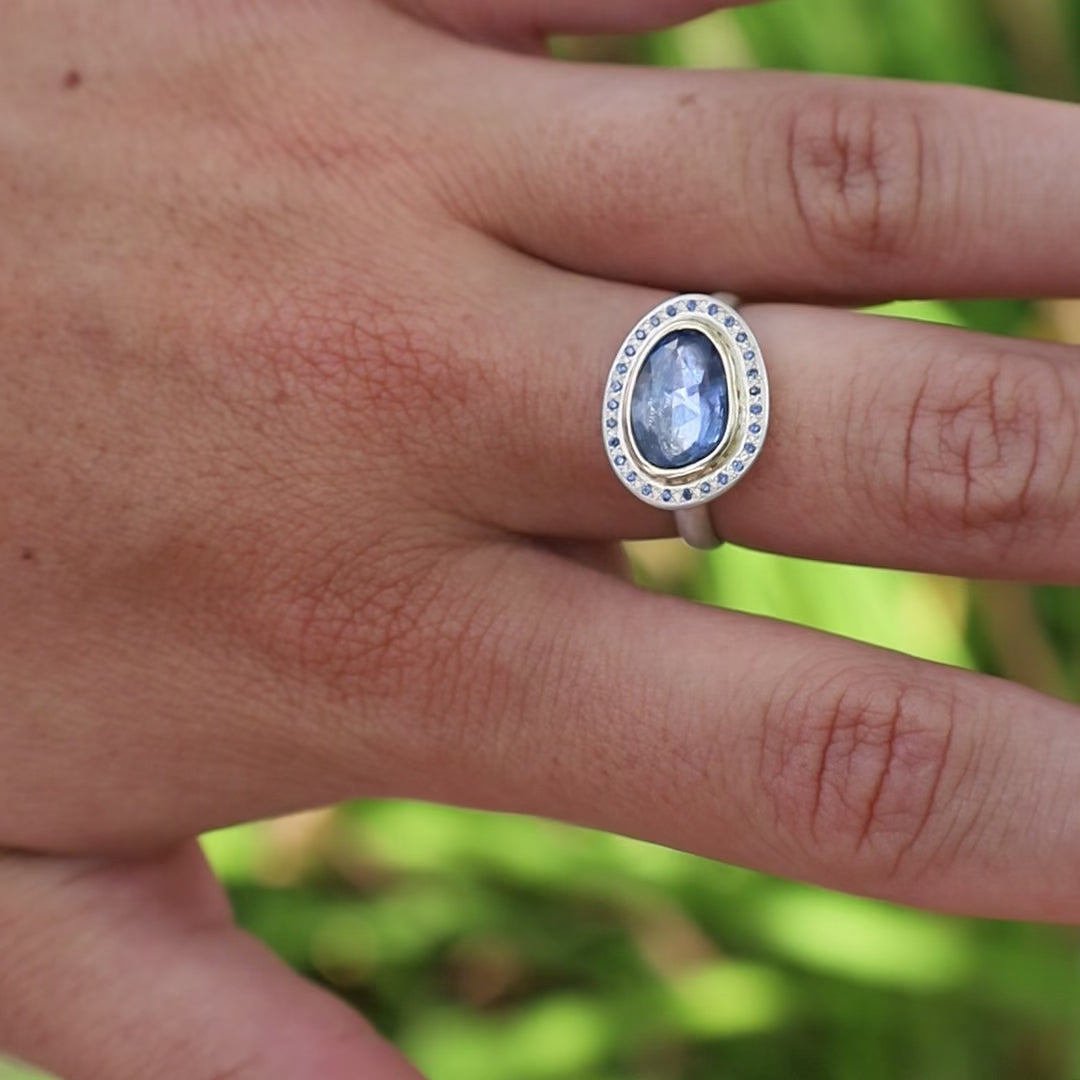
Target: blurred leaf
column 13, row 1070
column 910, row 613
column 865, row 940
column 730, row 999
column 555, row 1037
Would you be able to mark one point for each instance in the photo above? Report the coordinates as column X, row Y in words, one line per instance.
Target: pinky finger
column 137, row 970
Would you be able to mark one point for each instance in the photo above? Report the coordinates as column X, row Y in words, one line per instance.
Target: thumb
column 117, row 970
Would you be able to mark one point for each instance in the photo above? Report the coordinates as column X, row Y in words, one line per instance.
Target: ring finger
column 891, row 442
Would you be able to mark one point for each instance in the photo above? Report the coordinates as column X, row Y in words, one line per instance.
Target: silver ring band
column 696, row 528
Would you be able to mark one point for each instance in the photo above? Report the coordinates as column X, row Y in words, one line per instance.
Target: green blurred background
column 495, row 948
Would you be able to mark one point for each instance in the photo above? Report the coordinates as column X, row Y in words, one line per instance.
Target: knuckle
column 857, row 166
column 853, row 767
column 353, row 625
column 989, row 444
column 372, row 369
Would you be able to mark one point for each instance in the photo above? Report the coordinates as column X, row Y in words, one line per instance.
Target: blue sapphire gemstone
column 737, row 466
column 641, row 335
column 679, row 410
column 613, row 404
column 647, row 489
column 748, row 355
column 631, row 477
column 622, row 369
column 755, row 390
column 730, row 320
column 666, row 496
column 714, row 309
column 752, row 373
column 740, row 338
column 616, row 386
column 723, row 479
column 630, row 350
column 687, row 494
column 706, row 488
column 756, row 410
column 691, row 305
column 655, row 320
column 612, row 422
column 755, row 429
column 620, row 460
column 673, row 310
column 613, row 443
column 750, row 448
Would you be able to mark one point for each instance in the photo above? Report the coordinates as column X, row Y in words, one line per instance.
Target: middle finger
column 780, row 185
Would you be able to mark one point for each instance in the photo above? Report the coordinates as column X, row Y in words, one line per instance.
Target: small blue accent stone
column 687, row 494
column 723, row 479
column 737, row 466
column 679, row 409
column 714, row 309
column 620, row 460
column 706, row 488
column 655, row 320
column 666, row 496
column 756, row 410
column 691, row 305
column 612, row 404
column 750, row 448
column 752, row 373
column 755, row 390
column 730, row 320
column 741, row 338
column 622, row 369
column 647, row 489
column 755, row 429
column 630, row 350
column 641, row 335
column 631, row 477
column 613, row 443
column 748, row 355
column 673, row 310
column 616, row 386
column 611, row 422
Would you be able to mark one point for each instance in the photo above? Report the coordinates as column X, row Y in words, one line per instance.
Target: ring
column 686, row 409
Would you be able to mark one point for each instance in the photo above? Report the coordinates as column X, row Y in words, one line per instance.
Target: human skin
column 305, row 311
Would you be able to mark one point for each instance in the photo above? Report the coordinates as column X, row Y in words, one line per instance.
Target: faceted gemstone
column 679, row 410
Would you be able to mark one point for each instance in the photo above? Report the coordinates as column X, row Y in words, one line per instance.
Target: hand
column 305, row 310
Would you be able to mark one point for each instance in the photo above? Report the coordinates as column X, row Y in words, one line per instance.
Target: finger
column 304, row 686
column 513, row 20
column 776, row 185
column 761, row 744
column 891, row 442
column 137, row 970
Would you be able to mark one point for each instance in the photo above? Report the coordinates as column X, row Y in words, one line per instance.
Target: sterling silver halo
column 686, row 408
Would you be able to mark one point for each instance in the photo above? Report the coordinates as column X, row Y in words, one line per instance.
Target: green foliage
column 500, row 948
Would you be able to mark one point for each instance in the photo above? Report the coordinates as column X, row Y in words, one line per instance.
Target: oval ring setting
column 686, row 408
